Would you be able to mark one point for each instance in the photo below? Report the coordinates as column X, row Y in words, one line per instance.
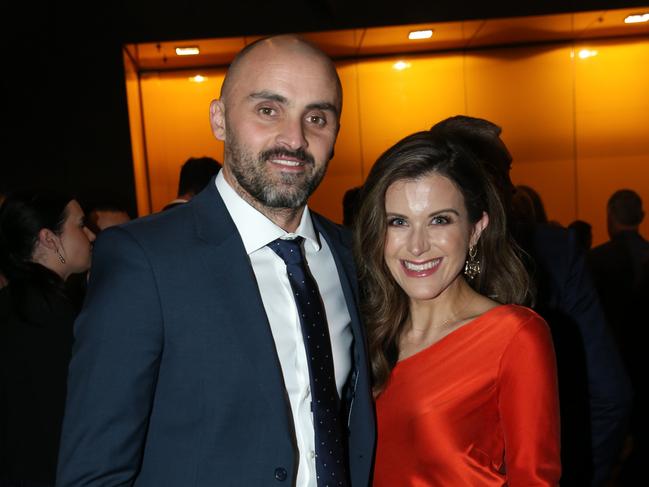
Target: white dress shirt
column 257, row 231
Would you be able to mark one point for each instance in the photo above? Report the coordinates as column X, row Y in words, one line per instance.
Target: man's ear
column 217, row 119
column 478, row 228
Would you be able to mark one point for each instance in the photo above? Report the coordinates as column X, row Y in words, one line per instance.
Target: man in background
column 620, row 268
column 103, row 216
column 195, row 174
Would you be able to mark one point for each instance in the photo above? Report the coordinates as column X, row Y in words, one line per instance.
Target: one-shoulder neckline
column 468, row 325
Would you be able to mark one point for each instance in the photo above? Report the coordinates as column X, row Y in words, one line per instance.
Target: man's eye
column 269, row 112
column 317, row 120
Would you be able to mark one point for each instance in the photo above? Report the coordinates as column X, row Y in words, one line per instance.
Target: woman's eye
column 396, row 222
column 440, row 220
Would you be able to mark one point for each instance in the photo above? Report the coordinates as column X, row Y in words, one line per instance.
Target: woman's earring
column 61, row 258
column 472, row 265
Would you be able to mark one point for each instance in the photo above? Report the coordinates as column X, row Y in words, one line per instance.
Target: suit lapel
column 237, row 297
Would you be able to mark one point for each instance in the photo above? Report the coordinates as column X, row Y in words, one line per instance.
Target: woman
column 464, row 377
column 43, row 241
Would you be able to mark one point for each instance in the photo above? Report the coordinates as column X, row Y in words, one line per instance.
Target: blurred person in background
column 195, row 173
column 105, row 215
column 43, row 241
column 350, row 205
column 583, row 233
column 620, row 269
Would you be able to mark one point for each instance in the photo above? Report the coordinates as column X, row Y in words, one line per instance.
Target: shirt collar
column 256, row 229
column 178, row 200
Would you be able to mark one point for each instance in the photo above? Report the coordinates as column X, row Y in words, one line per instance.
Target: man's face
column 279, row 122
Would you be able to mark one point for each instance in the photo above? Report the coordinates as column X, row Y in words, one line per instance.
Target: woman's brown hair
column 384, row 305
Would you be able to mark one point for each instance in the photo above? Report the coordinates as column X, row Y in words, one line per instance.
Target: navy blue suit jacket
column 174, row 379
column 595, row 393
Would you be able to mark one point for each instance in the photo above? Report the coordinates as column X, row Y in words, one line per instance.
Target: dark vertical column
column 65, row 100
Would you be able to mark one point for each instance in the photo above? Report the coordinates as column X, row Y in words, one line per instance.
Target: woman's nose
column 418, row 242
column 90, row 234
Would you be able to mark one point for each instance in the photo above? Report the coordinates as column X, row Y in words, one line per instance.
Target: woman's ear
column 478, row 228
column 48, row 246
column 48, row 239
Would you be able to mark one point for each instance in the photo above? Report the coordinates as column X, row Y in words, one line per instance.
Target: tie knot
column 289, row 250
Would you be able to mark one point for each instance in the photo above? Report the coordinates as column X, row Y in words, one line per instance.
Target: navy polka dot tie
column 331, row 463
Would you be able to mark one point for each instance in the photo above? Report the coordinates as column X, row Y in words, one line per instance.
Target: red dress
column 477, row 408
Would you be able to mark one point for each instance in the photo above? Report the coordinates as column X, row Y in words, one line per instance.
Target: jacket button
column 280, row 474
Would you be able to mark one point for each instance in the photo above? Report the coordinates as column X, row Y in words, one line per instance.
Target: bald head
column 270, row 47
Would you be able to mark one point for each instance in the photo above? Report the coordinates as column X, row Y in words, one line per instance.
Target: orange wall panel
column 395, row 103
column 138, row 149
column 346, row 168
column 176, row 114
column 528, row 91
column 612, row 113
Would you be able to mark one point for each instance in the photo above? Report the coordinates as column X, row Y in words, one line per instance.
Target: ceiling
column 364, row 42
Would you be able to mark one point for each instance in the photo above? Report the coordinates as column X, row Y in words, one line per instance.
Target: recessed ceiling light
column 420, row 34
column 188, row 51
column 401, row 65
column 637, row 18
column 198, row 78
column 586, row 53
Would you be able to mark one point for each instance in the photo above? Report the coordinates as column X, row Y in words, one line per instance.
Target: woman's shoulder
column 35, row 305
column 519, row 312
column 514, row 318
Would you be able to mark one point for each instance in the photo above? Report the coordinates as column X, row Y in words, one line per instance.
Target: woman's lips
column 421, row 269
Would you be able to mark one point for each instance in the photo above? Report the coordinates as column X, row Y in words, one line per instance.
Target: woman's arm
column 529, row 406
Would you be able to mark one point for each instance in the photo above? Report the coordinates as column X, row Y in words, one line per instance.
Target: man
column 190, row 367
column 583, row 233
column 195, row 174
column 620, row 269
column 595, row 394
column 102, row 216
column 351, row 200
column 617, row 265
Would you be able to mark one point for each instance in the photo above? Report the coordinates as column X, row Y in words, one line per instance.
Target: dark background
column 63, row 90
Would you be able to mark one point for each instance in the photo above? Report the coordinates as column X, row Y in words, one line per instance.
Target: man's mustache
column 299, row 154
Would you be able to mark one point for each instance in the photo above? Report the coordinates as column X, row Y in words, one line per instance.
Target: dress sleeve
column 528, row 402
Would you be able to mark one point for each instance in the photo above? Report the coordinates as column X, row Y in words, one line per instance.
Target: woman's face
column 76, row 240
column 428, row 235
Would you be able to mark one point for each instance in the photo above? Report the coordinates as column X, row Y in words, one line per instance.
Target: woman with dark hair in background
column 43, row 241
column 464, row 377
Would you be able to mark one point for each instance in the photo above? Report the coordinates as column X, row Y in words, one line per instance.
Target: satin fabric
column 477, row 408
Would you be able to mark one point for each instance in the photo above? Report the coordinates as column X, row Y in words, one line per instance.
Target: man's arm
column 114, row 367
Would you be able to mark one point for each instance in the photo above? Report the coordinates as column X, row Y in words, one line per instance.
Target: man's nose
column 291, row 134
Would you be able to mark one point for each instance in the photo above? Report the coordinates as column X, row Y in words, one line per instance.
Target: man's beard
column 291, row 190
